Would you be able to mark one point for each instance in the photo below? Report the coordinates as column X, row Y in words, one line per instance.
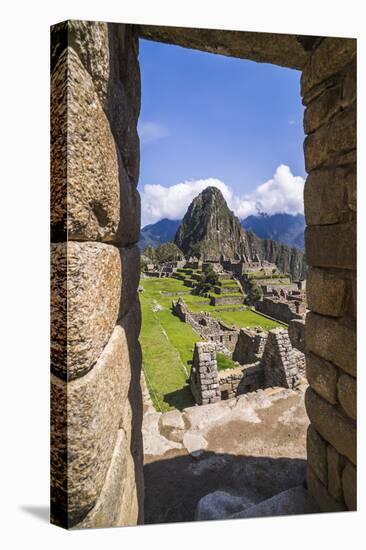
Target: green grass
column 167, row 342
column 224, row 362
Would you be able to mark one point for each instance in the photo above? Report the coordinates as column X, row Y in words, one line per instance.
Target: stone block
column 130, row 262
column 335, row 468
column 319, row 492
column 296, row 333
column 322, row 108
column 124, row 93
column 331, row 246
column 84, row 167
column 332, row 55
column 330, row 196
column 349, row 484
column 322, row 377
column 85, row 418
column 107, row 511
column 89, row 39
column 326, row 292
column 331, row 339
column 316, row 449
column 347, row 394
column 333, row 138
column 332, row 425
column 86, row 281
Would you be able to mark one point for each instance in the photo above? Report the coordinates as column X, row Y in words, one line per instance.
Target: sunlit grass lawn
column 167, row 342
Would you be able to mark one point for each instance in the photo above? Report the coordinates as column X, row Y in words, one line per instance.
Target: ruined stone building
column 96, row 456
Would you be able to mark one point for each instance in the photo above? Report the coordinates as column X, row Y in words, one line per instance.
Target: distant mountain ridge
column 158, row 233
column 285, row 228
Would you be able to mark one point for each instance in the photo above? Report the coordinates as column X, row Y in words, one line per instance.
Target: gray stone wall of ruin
column 243, row 379
column 279, row 309
column 279, row 361
column 204, row 380
column 328, row 88
column 96, row 416
column 250, row 346
column 296, row 332
column 208, row 328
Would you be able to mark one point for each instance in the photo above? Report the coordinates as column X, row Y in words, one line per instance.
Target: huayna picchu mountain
column 210, row 229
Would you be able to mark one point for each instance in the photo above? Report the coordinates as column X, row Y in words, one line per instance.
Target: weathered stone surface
column 319, row 492
column 107, row 509
column 331, row 245
column 194, row 442
column 316, row 449
column 89, row 39
column 130, row 262
column 220, row 505
column 84, row 163
column 339, row 95
column 335, row 137
column 326, row 292
column 335, row 468
column 124, row 95
column 172, row 425
column 280, row 49
column 322, row 377
column 128, row 231
column 155, row 443
column 330, row 56
column 347, row 394
column 85, row 296
column 330, row 196
column 332, row 425
column 296, row 332
column 334, row 340
column 88, row 411
column 322, row 108
column 349, row 484
column 295, row 500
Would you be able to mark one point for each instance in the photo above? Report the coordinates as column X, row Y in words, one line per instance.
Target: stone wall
column 296, row 332
column 243, row 379
column 208, row 328
column 280, row 364
column 250, row 346
column 204, row 381
column 279, row 309
column 328, row 88
column 96, row 442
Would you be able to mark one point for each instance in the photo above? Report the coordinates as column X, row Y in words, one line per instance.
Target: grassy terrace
column 167, row 342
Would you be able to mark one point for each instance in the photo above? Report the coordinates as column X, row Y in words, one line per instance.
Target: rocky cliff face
column 209, row 229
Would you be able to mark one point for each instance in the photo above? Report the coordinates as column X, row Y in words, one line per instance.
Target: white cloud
column 282, row 193
column 151, row 131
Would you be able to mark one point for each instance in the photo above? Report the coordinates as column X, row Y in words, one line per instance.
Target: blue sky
column 224, row 121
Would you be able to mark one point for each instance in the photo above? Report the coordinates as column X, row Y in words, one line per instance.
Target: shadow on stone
column 174, row 486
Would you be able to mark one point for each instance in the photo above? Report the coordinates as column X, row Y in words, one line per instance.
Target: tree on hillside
column 207, row 281
column 254, row 292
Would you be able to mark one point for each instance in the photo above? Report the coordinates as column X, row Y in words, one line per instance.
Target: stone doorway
column 95, row 228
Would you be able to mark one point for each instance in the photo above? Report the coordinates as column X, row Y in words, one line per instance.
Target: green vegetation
column 166, row 252
column 167, row 343
column 207, row 281
column 224, row 362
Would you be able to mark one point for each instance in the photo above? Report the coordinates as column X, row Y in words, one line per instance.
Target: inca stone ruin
column 97, row 410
